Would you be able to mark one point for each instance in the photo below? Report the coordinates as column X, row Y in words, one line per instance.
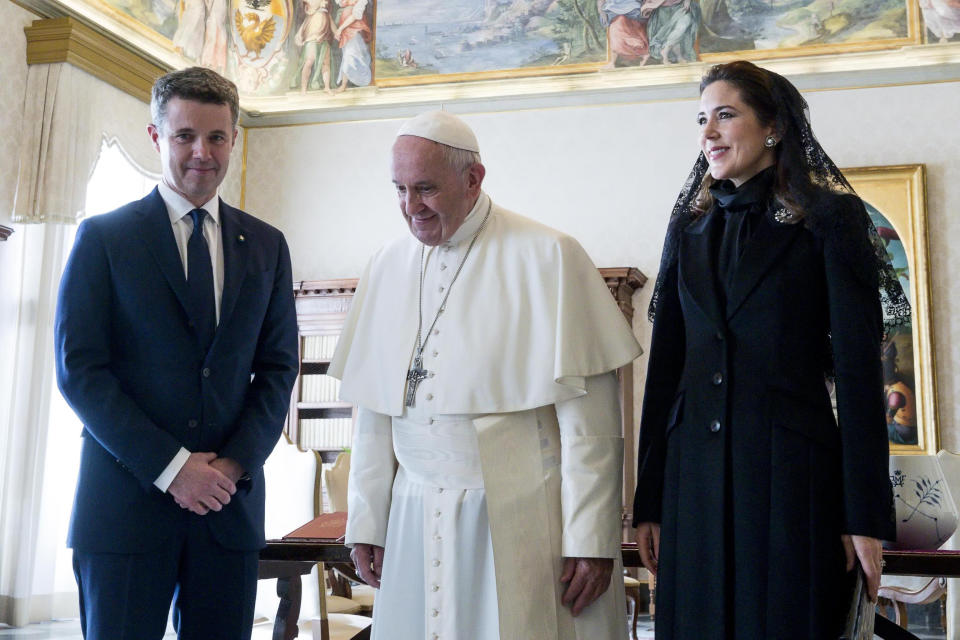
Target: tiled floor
column 58, row 630
column 70, row 630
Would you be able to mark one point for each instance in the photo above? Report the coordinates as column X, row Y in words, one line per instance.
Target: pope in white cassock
column 481, row 352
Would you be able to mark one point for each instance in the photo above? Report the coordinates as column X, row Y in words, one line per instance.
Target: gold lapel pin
column 240, row 238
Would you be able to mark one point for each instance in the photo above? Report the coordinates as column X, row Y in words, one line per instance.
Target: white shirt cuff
column 163, row 482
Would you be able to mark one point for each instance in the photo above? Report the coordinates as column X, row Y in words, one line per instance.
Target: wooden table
column 289, row 560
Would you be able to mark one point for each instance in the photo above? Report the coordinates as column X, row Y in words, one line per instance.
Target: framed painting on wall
column 895, row 200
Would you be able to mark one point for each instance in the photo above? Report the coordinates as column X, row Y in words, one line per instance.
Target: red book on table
column 328, row 527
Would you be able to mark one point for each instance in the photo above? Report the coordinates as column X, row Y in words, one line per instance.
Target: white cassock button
column 434, row 613
column 441, row 288
column 437, row 514
column 436, row 332
column 435, row 588
column 439, row 489
column 429, row 396
column 435, row 353
column 443, row 267
column 436, row 563
column 431, row 420
column 430, row 375
column 434, row 637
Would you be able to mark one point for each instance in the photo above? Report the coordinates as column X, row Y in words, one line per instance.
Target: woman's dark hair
column 776, row 102
column 808, row 187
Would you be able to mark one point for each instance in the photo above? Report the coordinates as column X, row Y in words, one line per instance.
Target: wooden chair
column 338, row 626
column 631, row 587
column 335, row 478
column 343, row 581
column 288, row 466
column 898, row 597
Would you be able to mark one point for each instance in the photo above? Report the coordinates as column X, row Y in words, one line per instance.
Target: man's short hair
column 193, row 83
column 458, row 159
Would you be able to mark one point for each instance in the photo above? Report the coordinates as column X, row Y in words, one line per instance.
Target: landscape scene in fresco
column 672, row 31
column 416, row 37
column 278, row 47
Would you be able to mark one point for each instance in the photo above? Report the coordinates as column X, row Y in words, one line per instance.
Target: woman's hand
column 648, row 544
column 870, row 553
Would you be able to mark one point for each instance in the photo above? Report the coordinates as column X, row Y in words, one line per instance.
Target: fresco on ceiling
column 431, row 37
column 324, row 47
column 942, row 20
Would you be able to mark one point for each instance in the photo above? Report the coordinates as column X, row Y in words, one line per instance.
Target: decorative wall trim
column 5, row 232
column 68, row 40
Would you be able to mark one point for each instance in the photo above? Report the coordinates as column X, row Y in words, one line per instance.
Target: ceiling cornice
column 68, row 40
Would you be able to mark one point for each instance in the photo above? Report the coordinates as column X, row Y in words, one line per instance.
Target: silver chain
column 443, row 303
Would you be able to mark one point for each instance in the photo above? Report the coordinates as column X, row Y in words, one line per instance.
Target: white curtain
column 24, row 453
column 67, row 115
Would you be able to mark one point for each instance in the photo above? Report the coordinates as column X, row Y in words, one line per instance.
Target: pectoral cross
column 415, row 376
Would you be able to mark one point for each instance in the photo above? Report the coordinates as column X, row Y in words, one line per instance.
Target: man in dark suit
column 176, row 344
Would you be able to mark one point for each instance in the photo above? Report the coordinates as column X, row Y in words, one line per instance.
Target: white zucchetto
column 442, row 127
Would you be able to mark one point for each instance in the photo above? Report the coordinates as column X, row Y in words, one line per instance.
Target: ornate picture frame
column 895, row 197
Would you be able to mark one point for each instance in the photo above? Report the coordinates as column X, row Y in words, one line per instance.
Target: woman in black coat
column 752, row 503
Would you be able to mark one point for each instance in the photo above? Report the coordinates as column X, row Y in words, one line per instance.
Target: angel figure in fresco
column 214, row 53
column 254, row 32
column 314, row 38
column 353, row 34
column 672, row 29
column 188, row 38
column 942, row 18
column 626, row 25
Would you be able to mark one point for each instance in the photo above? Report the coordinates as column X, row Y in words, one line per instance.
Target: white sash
column 519, row 524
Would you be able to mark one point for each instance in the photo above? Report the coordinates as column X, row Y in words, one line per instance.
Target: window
column 114, row 181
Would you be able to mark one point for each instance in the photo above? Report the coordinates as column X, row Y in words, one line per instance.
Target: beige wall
column 608, row 175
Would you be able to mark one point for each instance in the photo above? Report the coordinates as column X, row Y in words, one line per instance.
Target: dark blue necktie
column 200, row 282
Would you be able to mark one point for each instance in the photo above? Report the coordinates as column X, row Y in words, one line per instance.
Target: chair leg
column 900, row 613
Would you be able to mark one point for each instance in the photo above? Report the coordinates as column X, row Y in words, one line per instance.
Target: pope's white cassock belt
column 439, row 451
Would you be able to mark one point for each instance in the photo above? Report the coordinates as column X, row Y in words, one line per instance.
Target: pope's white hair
column 458, row 159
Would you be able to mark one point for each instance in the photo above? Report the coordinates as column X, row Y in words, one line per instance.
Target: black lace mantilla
column 793, row 115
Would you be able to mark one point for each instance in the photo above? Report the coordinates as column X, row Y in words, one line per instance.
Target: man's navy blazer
column 129, row 363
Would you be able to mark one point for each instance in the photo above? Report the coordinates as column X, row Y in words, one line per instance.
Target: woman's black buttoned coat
column 741, row 459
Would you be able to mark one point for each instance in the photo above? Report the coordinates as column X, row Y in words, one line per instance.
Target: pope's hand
column 648, row 544
column 200, row 487
column 586, row 580
column 368, row 560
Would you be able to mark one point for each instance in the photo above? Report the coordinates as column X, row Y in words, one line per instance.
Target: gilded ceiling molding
column 68, row 40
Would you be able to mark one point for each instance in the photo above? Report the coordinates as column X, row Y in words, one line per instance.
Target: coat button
column 715, row 426
column 718, row 378
column 192, row 423
column 206, row 372
column 718, row 335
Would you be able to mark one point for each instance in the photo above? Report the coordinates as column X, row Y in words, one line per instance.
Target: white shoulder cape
column 534, row 314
